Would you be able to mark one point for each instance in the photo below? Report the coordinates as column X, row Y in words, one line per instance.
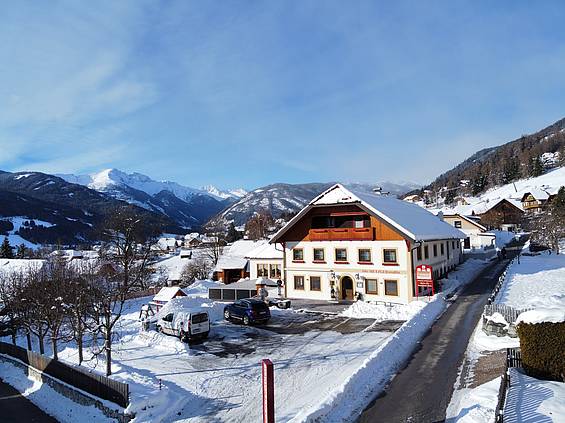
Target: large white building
column 345, row 244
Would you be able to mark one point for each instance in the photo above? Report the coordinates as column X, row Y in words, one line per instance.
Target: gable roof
column 537, row 193
column 265, row 251
column 468, row 219
column 413, row 221
column 167, row 293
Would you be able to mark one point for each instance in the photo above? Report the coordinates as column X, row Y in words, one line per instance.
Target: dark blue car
column 248, row 311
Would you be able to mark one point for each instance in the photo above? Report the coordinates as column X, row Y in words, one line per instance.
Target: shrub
column 543, row 349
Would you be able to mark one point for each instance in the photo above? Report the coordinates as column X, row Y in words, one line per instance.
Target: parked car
column 248, row 311
column 187, row 325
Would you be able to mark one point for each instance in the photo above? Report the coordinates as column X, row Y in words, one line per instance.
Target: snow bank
column 215, row 309
column 49, row 400
column 364, row 310
column 200, row 288
column 541, row 315
column 371, row 377
column 475, row 405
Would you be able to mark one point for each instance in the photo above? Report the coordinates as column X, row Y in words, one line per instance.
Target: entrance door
column 346, row 288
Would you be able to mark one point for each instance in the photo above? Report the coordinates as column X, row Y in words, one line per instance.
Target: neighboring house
column 477, row 235
column 168, row 244
column 233, row 264
column 414, row 198
column 266, row 260
column 460, row 201
column 165, row 295
column 350, row 243
column 535, row 201
column 505, row 215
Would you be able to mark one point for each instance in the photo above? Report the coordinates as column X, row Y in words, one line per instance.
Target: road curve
column 15, row 408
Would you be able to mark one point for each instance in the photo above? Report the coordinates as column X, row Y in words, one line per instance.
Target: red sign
column 268, row 379
column 424, row 278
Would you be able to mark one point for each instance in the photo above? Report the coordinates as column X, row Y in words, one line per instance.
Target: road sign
column 268, row 379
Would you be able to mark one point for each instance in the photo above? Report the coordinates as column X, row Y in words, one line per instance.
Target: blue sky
column 246, row 93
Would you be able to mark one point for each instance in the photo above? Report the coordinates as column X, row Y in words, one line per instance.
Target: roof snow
column 234, row 256
column 167, row 293
column 265, row 251
column 410, row 219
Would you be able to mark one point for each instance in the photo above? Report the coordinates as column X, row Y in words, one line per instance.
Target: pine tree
column 535, row 167
column 479, row 183
column 233, row 234
column 511, row 170
column 6, row 249
column 21, row 252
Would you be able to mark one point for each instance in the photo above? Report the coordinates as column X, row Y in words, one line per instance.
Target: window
column 426, row 252
column 297, row 254
column 435, row 250
column 441, row 248
column 263, row 270
column 391, row 287
column 371, row 286
column 275, row 271
column 315, row 283
column 453, row 245
column 340, row 221
column 457, row 224
column 364, row 255
column 319, row 254
column 389, row 255
column 419, row 252
column 340, row 254
column 299, row 282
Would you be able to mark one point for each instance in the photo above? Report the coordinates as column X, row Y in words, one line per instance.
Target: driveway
column 422, row 390
column 15, row 408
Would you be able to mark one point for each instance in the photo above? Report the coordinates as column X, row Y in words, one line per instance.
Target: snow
column 544, row 314
column 265, row 251
column 513, row 192
column 474, row 405
column 18, row 222
column 545, row 399
column 361, row 310
column 19, row 265
column 167, row 293
column 234, row 256
column 537, row 281
column 410, row 219
column 46, row 398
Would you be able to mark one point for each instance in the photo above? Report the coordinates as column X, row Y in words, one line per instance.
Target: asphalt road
column 421, row 392
column 15, row 408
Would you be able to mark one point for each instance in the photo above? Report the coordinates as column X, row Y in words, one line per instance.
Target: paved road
column 15, row 408
column 420, row 393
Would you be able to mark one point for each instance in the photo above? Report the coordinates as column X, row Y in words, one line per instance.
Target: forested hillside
column 527, row 156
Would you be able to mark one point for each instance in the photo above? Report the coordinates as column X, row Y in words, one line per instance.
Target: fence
column 513, row 359
column 93, row 383
column 510, row 314
column 230, row 294
column 500, row 282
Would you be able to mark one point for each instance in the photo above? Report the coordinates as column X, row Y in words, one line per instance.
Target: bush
column 543, row 349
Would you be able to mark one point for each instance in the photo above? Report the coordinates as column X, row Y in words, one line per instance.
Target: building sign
column 424, row 278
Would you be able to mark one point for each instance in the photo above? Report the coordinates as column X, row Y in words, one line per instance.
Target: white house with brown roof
column 266, row 260
column 345, row 244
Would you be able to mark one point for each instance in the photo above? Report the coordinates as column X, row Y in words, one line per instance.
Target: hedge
column 543, row 349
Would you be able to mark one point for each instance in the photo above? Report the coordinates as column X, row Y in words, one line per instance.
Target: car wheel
column 245, row 320
column 227, row 314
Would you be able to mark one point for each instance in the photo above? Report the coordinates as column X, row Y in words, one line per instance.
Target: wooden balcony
column 342, row 234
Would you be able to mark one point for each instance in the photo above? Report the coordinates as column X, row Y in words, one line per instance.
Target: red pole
column 268, row 380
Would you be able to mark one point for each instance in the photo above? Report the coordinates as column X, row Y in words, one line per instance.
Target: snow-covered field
column 18, row 221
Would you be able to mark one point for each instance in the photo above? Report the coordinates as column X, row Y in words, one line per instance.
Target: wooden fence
column 93, row 383
column 513, row 359
column 500, row 282
column 510, row 314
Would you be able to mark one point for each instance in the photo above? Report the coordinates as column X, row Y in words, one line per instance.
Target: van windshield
column 199, row 318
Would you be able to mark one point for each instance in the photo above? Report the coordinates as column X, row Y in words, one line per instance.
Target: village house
column 346, row 244
column 165, row 295
column 536, row 200
column 506, row 215
column 477, row 235
column 266, row 261
column 233, row 264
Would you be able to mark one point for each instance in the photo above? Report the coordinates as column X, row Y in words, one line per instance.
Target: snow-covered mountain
column 286, row 199
column 232, row 193
column 187, row 206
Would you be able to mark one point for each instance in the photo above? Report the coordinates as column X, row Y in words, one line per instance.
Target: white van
column 187, row 325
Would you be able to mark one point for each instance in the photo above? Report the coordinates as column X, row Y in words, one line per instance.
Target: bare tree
column 257, row 227
column 214, row 247
column 197, row 269
column 125, row 266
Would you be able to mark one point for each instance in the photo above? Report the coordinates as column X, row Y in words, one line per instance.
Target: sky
column 247, row 93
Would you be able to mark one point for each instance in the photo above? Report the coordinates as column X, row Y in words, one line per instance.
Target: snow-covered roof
column 410, row 219
column 167, row 293
column 537, row 193
column 234, row 255
column 265, row 251
column 466, row 218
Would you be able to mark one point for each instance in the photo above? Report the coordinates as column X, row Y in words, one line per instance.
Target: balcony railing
column 342, row 234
